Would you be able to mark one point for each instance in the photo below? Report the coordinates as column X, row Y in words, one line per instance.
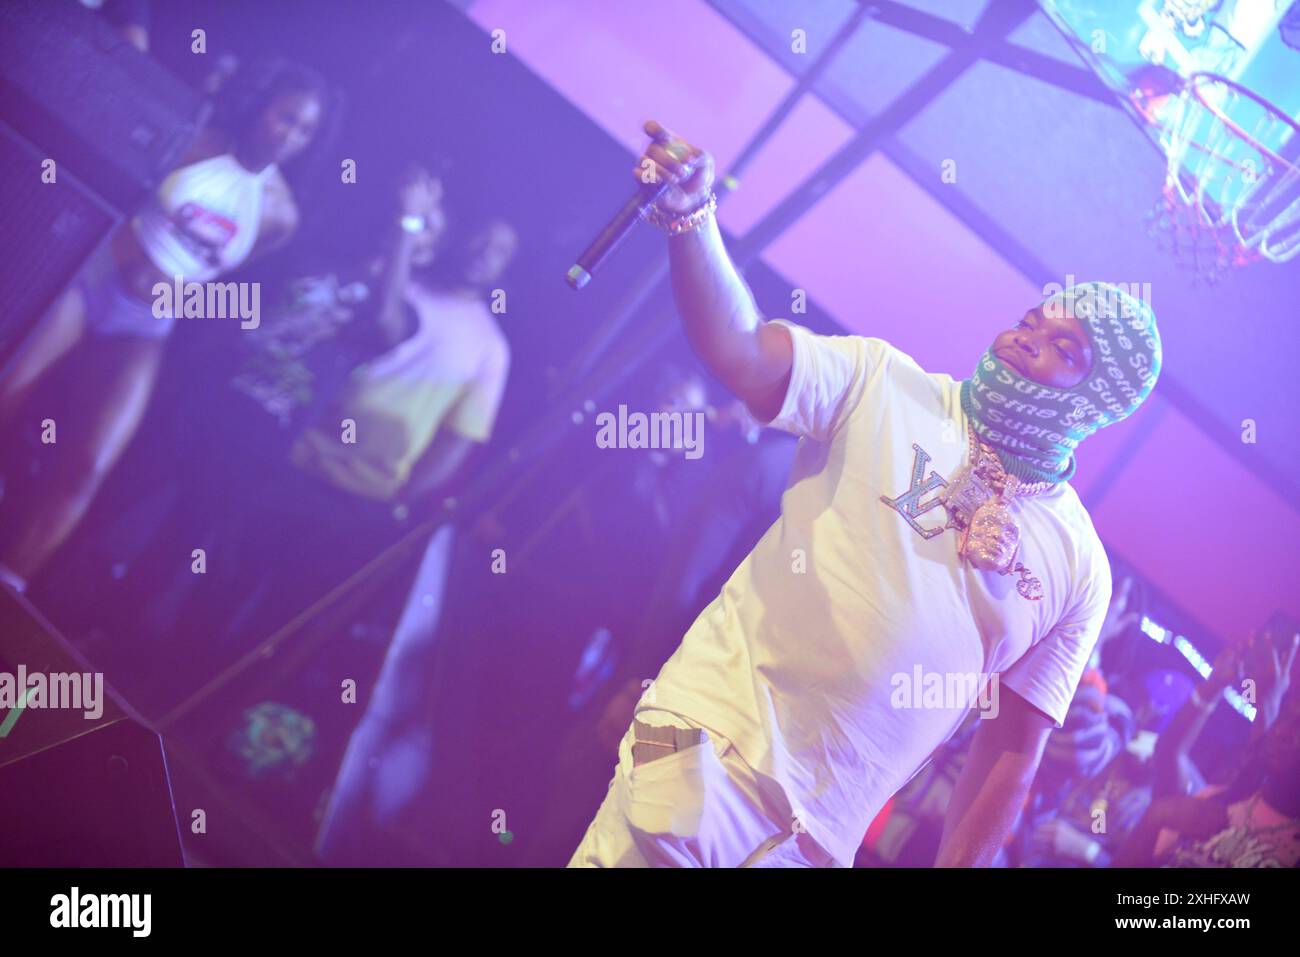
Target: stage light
column 1153, row 631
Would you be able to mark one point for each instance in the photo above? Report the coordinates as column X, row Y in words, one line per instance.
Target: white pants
column 702, row 806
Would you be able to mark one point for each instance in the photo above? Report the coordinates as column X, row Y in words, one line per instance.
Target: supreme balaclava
column 1033, row 428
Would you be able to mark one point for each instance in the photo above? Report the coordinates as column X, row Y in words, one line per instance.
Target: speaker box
column 47, row 232
column 71, row 83
column 113, row 120
column 83, row 780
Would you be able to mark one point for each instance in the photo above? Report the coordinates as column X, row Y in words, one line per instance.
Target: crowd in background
column 1118, row 785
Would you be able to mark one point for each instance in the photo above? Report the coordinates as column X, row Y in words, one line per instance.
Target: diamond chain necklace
column 978, row 502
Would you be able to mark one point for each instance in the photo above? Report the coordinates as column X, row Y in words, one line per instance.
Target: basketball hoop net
column 1232, row 185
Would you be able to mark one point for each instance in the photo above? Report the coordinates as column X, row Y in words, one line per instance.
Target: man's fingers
column 666, row 169
column 664, row 137
column 661, row 175
column 657, row 132
column 667, row 160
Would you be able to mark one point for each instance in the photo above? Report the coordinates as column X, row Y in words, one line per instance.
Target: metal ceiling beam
column 804, row 83
column 1004, row 242
column 999, row 19
column 1077, row 79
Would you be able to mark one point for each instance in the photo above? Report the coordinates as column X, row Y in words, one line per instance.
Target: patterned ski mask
column 1034, row 428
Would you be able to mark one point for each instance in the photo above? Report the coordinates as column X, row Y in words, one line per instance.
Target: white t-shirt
column 205, row 218
column 808, row 658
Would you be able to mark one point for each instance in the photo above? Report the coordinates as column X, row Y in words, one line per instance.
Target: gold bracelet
column 677, row 223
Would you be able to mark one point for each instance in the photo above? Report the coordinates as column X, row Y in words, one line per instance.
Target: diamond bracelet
column 676, row 224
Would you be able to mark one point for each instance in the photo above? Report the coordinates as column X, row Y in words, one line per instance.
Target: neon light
column 15, row 712
column 1240, row 704
column 1197, row 660
column 1153, row 631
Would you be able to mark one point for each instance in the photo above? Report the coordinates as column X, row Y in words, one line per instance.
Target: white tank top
column 204, row 219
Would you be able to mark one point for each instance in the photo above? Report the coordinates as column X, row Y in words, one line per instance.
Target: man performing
column 930, row 550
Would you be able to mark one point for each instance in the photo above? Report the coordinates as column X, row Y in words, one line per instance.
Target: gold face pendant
column 990, row 536
column 992, row 539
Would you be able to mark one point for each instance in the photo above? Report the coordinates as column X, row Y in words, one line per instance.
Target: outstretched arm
column 751, row 357
column 421, row 197
column 1171, row 764
column 994, row 783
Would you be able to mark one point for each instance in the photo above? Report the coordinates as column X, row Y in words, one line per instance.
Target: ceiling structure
column 924, row 170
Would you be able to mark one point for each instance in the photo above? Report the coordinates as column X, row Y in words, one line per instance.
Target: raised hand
column 421, row 194
column 669, row 157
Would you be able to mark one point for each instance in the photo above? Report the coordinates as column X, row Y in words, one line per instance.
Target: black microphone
column 619, row 227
